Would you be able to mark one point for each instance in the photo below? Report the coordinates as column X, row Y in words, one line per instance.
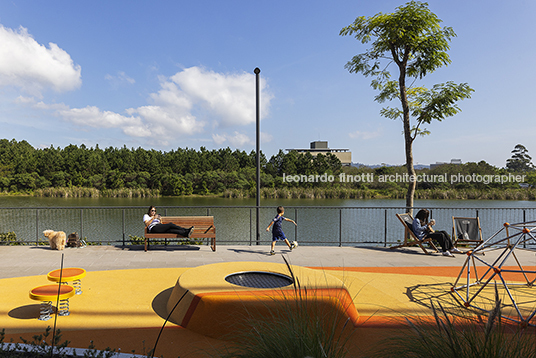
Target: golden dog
column 56, row 239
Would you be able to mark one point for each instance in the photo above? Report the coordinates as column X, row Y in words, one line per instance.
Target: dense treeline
column 24, row 168
column 81, row 171
column 448, row 181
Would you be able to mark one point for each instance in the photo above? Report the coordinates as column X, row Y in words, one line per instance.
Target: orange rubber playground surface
column 126, row 308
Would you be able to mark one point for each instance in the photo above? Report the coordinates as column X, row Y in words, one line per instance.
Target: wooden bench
column 203, row 229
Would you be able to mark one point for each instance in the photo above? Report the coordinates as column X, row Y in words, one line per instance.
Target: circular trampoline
column 257, row 279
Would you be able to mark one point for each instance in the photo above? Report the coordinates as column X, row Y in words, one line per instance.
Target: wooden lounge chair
column 409, row 237
column 466, row 231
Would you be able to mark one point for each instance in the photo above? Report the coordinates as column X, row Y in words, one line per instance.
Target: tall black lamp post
column 257, row 71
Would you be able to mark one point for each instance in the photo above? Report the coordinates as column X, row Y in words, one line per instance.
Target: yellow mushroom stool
column 69, row 274
column 48, row 293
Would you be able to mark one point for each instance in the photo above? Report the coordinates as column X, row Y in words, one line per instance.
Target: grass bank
column 346, row 193
column 527, row 194
column 81, row 192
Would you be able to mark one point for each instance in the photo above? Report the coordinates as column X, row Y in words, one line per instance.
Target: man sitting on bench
column 154, row 225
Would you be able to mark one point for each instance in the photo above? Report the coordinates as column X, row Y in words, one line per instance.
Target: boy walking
column 277, row 231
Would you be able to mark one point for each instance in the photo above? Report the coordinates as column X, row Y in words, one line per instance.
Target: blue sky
column 169, row 74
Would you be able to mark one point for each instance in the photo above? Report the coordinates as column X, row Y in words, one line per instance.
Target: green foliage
column 125, row 173
column 465, row 337
column 411, row 35
column 298, row 328
column 39, row 347
column 138, row 240
column 8, row 238
column 121, row 172
column 412, row 39
column 521, row 161
column 449, row 181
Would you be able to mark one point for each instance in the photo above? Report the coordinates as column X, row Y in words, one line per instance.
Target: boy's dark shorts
column 281, row 236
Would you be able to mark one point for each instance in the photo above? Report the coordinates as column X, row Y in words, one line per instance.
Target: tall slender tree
column 521, row 161
column 412, row 39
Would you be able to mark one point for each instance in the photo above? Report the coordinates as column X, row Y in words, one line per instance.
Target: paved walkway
column 17, row 261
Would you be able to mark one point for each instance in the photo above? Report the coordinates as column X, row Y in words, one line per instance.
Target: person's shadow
column 258, row 252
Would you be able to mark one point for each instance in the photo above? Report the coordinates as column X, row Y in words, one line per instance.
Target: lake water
column 320, row 222
column 30, row 201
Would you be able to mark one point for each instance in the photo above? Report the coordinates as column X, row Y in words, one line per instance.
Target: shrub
column 297, row 329
column 8, row 238
column 448, row 338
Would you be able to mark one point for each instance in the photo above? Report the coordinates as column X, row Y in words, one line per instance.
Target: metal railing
column 317, row 225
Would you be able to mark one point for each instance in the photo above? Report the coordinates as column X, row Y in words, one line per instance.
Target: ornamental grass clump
column 49, row 345
column 299, row 327
column 446, row 337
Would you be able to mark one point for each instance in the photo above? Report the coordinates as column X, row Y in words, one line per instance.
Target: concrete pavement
column 17, row 261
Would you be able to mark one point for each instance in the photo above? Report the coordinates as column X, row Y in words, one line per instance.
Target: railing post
column 258, row 226
column 123, row 227
column 340, row 227
column 37, row 227
column 250, row 225
column 296, row 227
column 208, row 214
column 81, row 224
column 524, row 220
column 385, row 228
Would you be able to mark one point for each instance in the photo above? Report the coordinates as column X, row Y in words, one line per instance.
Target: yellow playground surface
column 125, row 309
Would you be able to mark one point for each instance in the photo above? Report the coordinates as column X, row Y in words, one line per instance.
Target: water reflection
column 30, row 201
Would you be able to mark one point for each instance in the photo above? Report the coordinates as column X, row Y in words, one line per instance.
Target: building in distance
column 452, row 161
column 321, row 147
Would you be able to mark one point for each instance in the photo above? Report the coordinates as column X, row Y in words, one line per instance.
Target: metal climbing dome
column 494, row 264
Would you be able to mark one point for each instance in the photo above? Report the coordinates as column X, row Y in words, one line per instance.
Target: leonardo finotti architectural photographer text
column 405, row 178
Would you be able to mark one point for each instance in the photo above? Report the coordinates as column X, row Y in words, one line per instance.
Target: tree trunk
column 411, row 170
column 408, row 140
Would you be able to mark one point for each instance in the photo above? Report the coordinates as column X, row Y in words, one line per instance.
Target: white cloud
column 94, row 117
column 237, row 139
column 230, row 97
column 266, row 138
column 30, row 101
column 168, row 122
column 168, row 118
column 32, row 67
column 218, row 138
column 25, row 100
column 180, row 108
column 120, row 79
column 365, row 135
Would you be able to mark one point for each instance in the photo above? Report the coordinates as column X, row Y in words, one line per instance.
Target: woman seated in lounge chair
column 153, row 223
column 422, row 228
